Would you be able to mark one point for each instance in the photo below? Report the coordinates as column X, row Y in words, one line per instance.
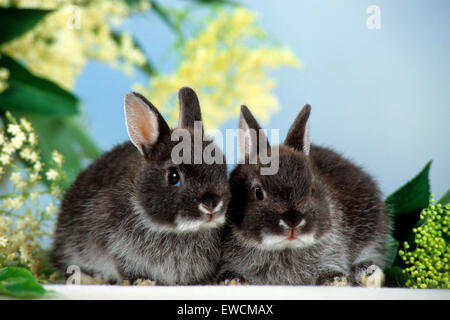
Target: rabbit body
column 134, row 214
column 319, row 220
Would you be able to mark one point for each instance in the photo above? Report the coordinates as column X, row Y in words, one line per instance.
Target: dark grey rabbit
column 318, row 221
column 134, row 213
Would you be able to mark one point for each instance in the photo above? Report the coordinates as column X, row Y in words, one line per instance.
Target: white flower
column 18, row 140
column 32, row 139
column 51, row 174
column 34, row 156
column 57, row 157
column 37, row 166
column 14, row 129
column 26, row 124
column 8, row 148
column 15, row 177
column 3, row 241
column 5, row 159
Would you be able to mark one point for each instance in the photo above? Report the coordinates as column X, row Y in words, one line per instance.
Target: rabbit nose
column 292, row 218
column 210, row 203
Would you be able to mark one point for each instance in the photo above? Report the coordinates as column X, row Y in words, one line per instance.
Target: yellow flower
column 52, row 174
column 225, row 70
column 60, row 51
column 4, row 73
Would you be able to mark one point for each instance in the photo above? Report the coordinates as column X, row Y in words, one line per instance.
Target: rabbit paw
column 230, row 279
column 373, row 276
column 333, row 279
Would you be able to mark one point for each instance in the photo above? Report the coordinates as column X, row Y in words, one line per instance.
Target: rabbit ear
column 145, row 125
column 298, row 135
column 251, row 138
column 189, row 108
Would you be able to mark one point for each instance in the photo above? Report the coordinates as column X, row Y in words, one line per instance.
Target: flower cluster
column 428, row 263
column 73, row 33
column 226, row 64
column 29, row 196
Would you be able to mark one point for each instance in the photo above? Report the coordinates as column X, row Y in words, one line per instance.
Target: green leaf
column 32, row 94
column 392, row 251
column 19, row 283
column 15, row 22
column 395, row 277
column 413, row 196
column 445, row 198
column 406, row 203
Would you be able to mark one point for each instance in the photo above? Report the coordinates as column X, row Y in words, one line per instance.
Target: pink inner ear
column 142, row 123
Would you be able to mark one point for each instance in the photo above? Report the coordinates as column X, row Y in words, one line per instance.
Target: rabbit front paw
column 373, row 277
column 230, row 279
column 334, row 279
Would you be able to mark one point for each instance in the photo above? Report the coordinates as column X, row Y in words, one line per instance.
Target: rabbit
column 135, row 214
column 319, row 220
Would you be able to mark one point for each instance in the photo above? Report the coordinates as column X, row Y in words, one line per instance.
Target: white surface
column 240, row 293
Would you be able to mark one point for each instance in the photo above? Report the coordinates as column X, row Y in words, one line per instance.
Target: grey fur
column 121, row 219
column 343, row 227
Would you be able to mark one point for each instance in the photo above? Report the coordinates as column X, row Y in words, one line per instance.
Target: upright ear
column 251, row 138
column 145, row 125
column 189, row 108
column 298, row 134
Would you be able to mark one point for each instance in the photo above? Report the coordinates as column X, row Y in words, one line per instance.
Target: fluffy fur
column 121, row 219
column 322, row 220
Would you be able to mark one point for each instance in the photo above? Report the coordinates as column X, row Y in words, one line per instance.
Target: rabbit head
column 173, row 195
column 287, row 209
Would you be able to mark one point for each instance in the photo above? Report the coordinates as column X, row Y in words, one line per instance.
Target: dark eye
column 173, row 177
column 259, row 193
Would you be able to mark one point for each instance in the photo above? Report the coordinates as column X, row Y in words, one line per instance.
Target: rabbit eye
column 259, row 193
column 173, row 177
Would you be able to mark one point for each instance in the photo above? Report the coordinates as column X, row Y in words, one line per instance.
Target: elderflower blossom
column 429, row 257
column 71, row 34
column 52, row 174
column 24, row 224
column 225, row 70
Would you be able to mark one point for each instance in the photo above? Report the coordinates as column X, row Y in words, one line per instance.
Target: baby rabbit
column 134, row 213
column 318, row 221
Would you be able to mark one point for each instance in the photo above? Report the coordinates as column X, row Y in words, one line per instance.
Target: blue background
column 380, row 97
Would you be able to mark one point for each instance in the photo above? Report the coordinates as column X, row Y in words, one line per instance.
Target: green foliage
column 404, row 207
column 19, row 283
column 15, row 22
column 29, row 93
column 418, row 250
column 445, row 198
